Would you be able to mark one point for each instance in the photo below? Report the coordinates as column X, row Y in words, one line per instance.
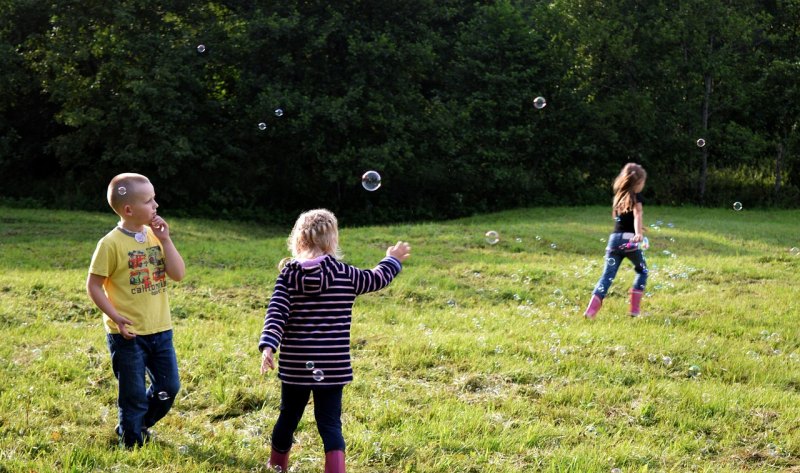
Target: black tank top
column 624, row 221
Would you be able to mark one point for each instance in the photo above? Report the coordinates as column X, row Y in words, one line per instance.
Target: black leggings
column 327, row 412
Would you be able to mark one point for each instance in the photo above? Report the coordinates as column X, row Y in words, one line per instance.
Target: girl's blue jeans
column 327, row 412
column 613, row 260
column 141, row 406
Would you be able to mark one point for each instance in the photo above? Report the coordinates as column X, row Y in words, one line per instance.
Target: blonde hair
column 315, row 232
column 123, row 188
column 629, row 178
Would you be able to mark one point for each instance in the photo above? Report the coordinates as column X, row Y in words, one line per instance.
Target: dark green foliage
column 436, row 96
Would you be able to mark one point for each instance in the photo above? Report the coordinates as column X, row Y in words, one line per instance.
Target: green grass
column 476, row 359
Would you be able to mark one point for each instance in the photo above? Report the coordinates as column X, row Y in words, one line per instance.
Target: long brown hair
column 629, row 178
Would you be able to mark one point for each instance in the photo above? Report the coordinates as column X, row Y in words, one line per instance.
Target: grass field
column 476, row 359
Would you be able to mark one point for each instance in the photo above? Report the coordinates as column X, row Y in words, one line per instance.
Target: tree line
column 435, row 95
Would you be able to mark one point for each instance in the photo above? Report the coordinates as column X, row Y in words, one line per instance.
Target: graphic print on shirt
column 147, row 271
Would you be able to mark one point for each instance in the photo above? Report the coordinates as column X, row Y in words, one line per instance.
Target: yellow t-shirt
column 136, row 280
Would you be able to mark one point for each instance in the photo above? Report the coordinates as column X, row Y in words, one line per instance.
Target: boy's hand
column 401, row 251
column 122, row 325
column 160, row 227
column 267, row 362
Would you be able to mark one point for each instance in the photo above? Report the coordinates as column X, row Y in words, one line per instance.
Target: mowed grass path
column 476, row 359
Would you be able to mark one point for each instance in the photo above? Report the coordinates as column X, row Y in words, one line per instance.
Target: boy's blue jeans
column 614, row 257
column 139, row 406
column 327, row 412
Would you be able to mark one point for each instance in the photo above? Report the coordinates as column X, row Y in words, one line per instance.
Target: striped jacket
column 309, row 317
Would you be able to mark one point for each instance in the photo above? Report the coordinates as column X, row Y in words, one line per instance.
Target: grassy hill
column 476, row 359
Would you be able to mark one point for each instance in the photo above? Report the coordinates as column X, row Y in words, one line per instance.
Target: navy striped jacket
column 309, row 317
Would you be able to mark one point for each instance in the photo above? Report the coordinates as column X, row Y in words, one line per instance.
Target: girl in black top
column 624, row 241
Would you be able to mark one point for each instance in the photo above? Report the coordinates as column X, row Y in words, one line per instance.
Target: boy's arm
column 173, row 262
column 94, row 287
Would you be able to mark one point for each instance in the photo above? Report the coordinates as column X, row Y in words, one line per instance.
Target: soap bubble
column 262, row 126
column 652, row 358
column 122, row 190
column 666, row 360
column 694, row 371
column 737, row 206
column 553, row 246
column 278, row 112
column 701, row 142
column 539, row 103
column 518, row 240
column 183, row 449
column 201, row 48
column 309, row 365
column 318, row 375
column 492, row 237
column 611, row 261
column 163, row 395
column 794, row 251
column 371, row 180
column 616, row 470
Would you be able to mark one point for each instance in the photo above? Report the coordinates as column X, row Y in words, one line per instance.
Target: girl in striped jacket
column 309, row 317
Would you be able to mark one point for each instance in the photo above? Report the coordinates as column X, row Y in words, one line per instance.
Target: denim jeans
column 614, row 257
column 327, row 412
column 140, row 406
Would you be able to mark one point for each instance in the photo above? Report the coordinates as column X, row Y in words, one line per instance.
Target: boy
column 127, row 281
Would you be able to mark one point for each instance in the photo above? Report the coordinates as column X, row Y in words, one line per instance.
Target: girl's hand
column 401, row 251
column 267, row 362
column 637, row 238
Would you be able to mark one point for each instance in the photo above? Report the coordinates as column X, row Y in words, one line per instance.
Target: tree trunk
column 778, row 168
column 704, row 165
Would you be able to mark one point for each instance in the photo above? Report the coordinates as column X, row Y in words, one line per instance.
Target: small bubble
column 371, row 180
column 519, row 240
column 616, row 470
column 539, row 103
column 558, row 293
column 309, row 365
column 701, row 142
column 318, row 375
column 694, row 371
column 794, row 251
column 278, row 112
column 737, row 206
column 183, row 449
column 538, row 238
column 451, row 302
column 262, row 126
column 553, row 246
column 201, row 48
column 652, row 358
column 122, row 190
column 666, row 360
column 492, row 237
column 671, row 225
column 163, row 395
column 611, row 261
column 706, row 397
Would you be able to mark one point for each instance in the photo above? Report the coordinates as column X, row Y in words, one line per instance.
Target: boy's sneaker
column 147, row 434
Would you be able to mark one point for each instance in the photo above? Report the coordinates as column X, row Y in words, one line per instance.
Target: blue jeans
column 140, row 407
column 327, row 412
column 614, row 257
